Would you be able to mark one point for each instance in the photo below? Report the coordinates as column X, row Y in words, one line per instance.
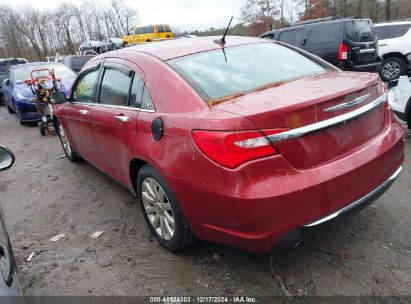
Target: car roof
column 31, row 64
column 392, row 23
column 170, row 49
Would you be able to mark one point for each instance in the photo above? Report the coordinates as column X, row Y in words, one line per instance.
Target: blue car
column 18, row 95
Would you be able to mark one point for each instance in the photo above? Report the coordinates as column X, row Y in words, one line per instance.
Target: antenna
column 222, row 39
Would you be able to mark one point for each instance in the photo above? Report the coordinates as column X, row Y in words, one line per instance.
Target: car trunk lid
column 313, row 101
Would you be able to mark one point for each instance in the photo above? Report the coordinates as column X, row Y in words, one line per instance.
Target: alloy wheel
column 391, row 70
column 64, row 140
column 158, row 208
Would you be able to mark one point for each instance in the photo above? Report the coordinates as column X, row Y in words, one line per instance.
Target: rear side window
column 148, row 30
column 287, row 37
column 382, row 32
column 85, row 87
column 167, row 28
column 241, row 69
column 398, row 30
column 328, row 33
column 114, row 88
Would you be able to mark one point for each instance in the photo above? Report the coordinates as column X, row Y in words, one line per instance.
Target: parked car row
column 91, row 47
column 353, row 44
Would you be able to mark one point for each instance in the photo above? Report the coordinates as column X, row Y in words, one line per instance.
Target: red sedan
column 252, row 143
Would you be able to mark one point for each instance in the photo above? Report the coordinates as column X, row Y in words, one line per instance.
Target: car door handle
column 121, row 118
column 383, row 44
column 83, row 112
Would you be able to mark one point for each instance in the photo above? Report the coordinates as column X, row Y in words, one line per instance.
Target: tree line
column 262, row 15
column 35, row 34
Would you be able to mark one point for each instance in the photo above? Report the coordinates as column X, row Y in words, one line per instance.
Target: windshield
column 360, row 31
column 215, row 75
column 23, row 73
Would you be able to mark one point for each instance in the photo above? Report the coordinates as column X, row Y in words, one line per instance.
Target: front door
column 75, row 116
column 115, row 116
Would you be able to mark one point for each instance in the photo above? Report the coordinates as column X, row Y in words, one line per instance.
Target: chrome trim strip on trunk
column 356, row 203
column 298, row 132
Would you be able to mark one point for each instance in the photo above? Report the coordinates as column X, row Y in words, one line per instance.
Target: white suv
column 395, row 48
column 399, row 98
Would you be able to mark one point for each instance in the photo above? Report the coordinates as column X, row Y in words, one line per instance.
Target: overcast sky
column 183, row 14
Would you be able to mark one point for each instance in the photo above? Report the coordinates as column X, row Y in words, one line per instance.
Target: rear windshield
column 79, row 61
column 360, row 31
column 215, row 75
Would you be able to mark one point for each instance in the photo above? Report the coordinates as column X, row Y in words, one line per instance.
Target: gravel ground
column 42, row 196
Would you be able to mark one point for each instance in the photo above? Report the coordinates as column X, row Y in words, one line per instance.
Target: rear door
column 324, row 40
column 361, row 40
column 76, row 115
column 114, row 118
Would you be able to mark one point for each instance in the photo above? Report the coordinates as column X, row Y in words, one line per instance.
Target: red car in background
column 253, row 143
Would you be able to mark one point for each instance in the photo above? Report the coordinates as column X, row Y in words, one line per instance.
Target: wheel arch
column 393, row 54
column 135, row 166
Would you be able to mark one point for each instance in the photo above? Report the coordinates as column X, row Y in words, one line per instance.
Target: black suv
column 348, row 43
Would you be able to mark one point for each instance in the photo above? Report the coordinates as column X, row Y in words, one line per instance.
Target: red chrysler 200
column 252, row 143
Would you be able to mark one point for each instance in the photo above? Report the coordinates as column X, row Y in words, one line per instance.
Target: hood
column 25, row 89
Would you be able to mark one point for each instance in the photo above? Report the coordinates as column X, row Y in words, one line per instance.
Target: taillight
column 231, row 149
column 343, row 52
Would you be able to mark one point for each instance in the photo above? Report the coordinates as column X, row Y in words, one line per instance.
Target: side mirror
column 6, row 158
column 6, row 82
column 58, row 98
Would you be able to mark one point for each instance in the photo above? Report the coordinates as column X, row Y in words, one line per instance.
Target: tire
column 392, row 68
column 42, row 130
column 409, row 121
column 9, row 109
column 65, row 143
column 22, row 122
column 148, row 40
column 1, row 100
column 114, row 47
column 152, row 189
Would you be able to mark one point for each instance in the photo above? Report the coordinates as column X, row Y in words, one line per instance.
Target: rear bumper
column 368, row 66
column 301, row 233
column 266, row 200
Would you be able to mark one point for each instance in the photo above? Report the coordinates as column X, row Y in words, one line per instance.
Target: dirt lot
column 42, row 196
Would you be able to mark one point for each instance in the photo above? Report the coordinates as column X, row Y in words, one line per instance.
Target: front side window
column 114, row 87
column 241, row 69
column 85, row 87
column 381, row 32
